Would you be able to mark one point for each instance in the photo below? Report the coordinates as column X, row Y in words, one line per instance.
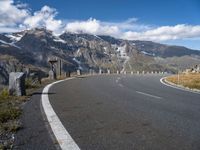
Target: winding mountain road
column 111, row 112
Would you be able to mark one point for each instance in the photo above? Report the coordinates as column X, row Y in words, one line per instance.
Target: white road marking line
column 148, row 95
column 63, row 137
column 176, row 87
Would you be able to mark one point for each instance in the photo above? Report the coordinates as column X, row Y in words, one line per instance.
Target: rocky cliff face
column 34, row 47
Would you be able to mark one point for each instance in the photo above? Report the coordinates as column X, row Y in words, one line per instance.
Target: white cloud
column 92, row 26
column 17, row 16
column 44, row 18
column 165, row 33
column 131, row 30
column 11, row 14
column 8, row 29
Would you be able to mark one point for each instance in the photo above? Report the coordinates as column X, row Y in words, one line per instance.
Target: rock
column 91, row 71
column 27, row 71
column 100, row 71
column 52, row 75
column 78, row 72
column 17, row 83
column 67, row 74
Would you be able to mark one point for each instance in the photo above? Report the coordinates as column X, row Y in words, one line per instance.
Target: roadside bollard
column 100, row 71
column 78, row 72
column 108, row 71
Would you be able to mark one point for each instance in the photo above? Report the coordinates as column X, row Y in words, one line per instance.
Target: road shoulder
column 170, row 84
column 35, row 133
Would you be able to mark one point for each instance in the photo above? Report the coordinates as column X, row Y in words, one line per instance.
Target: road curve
column 127, row 112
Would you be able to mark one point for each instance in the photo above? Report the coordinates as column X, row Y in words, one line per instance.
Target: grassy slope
column 191, row 80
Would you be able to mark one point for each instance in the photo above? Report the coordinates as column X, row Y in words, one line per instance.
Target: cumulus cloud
column 92, row 26
column 44, row 18
column 131, row 30
column 17, row 16
column 11, row 15
column 165, row 33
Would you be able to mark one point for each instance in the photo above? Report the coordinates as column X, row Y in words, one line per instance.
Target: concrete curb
column 170, row 84
column 64, row 139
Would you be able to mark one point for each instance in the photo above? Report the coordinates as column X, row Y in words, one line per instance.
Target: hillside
column 34, row 48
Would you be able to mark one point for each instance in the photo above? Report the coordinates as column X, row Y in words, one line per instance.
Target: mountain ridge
column 85, row 51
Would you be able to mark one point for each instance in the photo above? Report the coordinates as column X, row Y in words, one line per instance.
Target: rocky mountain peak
column 81, row 50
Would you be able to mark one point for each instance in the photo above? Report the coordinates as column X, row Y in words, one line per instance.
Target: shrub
column 4, row 95
column 29, row 84
column 9, row 113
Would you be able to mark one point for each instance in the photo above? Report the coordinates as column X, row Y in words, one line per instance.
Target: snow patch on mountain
column 52, row 47
column 146, row 53
column 57, row 39
column 15, row 38
column 106, row 50
column 78, row 62
column 123, row 55
column 122, row 51
column 133, row 44
column 98, row 37
column 11, row 44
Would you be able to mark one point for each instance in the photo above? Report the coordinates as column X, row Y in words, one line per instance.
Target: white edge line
column 63, row 137
column 163, row 81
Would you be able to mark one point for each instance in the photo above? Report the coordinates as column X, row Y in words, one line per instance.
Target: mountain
column 84, row 51
column 162, row 50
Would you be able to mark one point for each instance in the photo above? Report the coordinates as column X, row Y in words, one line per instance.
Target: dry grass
column 10, row 111
column 191, row 80
column 9, row 107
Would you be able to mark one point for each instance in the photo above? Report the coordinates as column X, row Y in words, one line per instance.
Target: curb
column 63, row 138
column 170, row 84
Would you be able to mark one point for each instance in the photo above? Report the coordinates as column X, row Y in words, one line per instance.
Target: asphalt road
column 127, row 112
column 35, row 133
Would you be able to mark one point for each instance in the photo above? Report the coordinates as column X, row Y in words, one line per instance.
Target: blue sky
column 165, row 21
column 157, row 12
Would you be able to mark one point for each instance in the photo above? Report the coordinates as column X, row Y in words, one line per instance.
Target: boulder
column 78, row 72
column 52, row 75
column 17, row 83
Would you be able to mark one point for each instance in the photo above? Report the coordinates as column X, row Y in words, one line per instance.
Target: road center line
column 157, row 97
